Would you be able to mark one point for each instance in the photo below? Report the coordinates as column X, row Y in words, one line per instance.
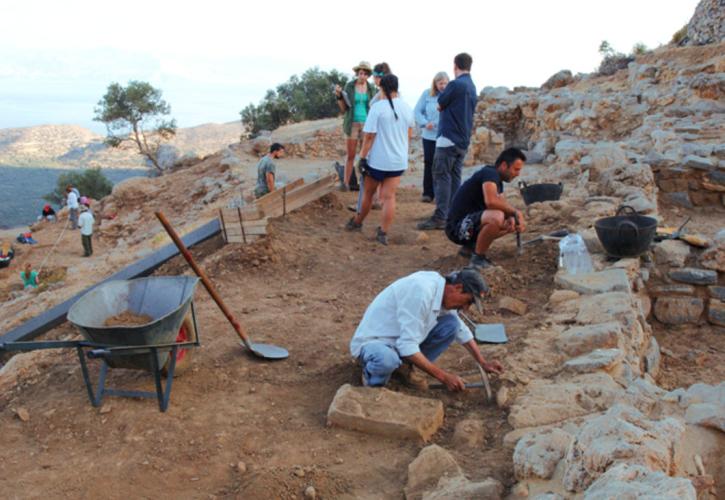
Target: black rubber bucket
column 540, row 192
column 627, row 235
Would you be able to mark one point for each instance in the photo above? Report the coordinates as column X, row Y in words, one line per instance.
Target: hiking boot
column 352, row 225
column 412, row 377
column 480, row 262
column 465, row 251
column 431, row 223
column 426, row 199
column 381, row 236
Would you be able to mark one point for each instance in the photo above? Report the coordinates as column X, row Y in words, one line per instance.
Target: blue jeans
column 380, row 360
column 447, row 169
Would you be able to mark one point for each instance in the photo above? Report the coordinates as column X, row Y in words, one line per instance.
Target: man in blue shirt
column 457, row 104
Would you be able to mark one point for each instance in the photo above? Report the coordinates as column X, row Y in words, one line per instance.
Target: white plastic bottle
column 574, row 257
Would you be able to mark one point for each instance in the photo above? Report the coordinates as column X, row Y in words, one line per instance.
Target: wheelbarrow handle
column 47, row 344
column 204, row 279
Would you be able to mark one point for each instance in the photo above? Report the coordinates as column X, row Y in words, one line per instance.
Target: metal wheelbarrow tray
column 155, row 346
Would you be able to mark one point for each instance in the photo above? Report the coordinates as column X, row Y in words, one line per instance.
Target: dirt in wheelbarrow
column 238, row 427
column 127, row 318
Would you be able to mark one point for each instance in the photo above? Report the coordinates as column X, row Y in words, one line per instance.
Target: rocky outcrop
column 707, row 24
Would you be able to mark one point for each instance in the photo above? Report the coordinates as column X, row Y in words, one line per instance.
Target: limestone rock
column 460, row 488
column 469, row 433
column 672, row 252
column 694, row 276
column 599, row 359
column 384, row 412
column 698, row 162
column 559, row 79
column 559, row 296
column 621, row 435
column 609, row 280
column 707, row 24
column 431, row 464
column 652, row 358
column 637, row 481
column 716, row 312
column 604, row 307
column 716, row 292
column 516, row 306
column 667, row 290
column 678, row 310
column 537, row 453
column 582, row 339
column 714, row 258
column 707, row 415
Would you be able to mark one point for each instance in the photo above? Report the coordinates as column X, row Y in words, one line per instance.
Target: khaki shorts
column 356, row 131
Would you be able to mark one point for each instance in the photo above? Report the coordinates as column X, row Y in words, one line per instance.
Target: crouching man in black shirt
column 479, row 213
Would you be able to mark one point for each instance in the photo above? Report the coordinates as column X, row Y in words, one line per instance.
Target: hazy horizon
column 212, row 62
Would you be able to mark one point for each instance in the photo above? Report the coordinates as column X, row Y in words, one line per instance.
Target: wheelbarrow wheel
column 183, row 354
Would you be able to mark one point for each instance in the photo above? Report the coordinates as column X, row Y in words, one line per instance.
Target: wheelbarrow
column 157, row 346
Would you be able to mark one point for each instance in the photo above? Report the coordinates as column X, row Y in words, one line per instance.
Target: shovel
column 555, row 236
column 489, row 333
column 264, row 351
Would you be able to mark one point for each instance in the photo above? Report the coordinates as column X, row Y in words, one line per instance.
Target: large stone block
column 698, row 162
column 582, row 339
column 460, row 488
column 609, row 280
column 707, row 415
column 599, row 359
column 384, row 412
column 678, row 310
column 694, row 276
column 672, row 253
column 716, row 312
column 621, row 435
column 537, row 453
column 432, row 463
column 636, row 481
column 604, row 307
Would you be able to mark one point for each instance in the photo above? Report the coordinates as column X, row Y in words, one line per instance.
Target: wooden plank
column 224, row 229
column 250, row 212
column 256, row 230
column 315, row 189
column 144, row 267
column 238, row 239
column 277, row 194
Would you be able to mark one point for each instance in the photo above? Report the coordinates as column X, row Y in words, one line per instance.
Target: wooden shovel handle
column 207, row 283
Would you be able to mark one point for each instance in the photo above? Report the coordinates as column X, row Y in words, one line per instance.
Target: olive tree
column 136, row 113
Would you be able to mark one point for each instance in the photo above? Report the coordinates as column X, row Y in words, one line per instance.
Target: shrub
column 680, row 36
column 305, row 97
column 90, row 182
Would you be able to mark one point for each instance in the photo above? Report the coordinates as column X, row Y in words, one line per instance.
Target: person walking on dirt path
column 29, row 277
column 427, row 117
column 384, row 155
column 480, row 213
column 267, row 170
column 354, row 100
column 412, row 322
column 72, row 202
column 86, row 222
column 456, row 104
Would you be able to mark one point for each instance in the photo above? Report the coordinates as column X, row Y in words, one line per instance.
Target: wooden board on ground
column 302, row 195
column 277, row 195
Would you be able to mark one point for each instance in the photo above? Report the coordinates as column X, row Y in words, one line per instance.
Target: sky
column 212, row 58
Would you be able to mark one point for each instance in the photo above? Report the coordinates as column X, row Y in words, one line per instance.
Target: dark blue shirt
column 457, row 102
column 469, row 197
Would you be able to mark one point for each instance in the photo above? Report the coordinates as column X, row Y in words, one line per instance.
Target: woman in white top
column 384, row 154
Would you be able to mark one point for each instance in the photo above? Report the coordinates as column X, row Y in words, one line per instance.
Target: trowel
column 486, row 333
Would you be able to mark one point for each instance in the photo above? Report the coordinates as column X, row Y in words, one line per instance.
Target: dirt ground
column 305, row 288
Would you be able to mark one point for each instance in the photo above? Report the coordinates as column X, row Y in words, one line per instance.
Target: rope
column 52, row 249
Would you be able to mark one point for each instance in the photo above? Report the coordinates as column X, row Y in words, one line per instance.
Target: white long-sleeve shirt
column 403, row 314
column 72, row 200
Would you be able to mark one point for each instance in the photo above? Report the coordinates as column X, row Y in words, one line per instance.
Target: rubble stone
column 431, row 464
column 694, row 276
column 716, row 312
column 537, row 453
column 516, row 306
column 609, row 280
column 599, row 359
column 637, row 481
column 672, row 252
column 604, row 307
column 582, row 339
column 469, row 433
column 460, row 488
column 678, row 310
column 716, row 292
column 384, row 412
column 707, row 415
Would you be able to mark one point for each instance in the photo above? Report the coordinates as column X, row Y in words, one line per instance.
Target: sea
column 22, row 190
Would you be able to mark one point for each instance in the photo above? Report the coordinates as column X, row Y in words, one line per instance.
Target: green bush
column 679, row 35
column 90, row 182
column 305, row 97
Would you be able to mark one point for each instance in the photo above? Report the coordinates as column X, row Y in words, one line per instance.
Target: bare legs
column 388, row 188
column 494, row 224
column 351, row 144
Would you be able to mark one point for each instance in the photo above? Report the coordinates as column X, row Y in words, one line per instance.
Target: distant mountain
column 74, row 146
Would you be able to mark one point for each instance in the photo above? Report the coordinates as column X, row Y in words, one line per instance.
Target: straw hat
column 363, row 65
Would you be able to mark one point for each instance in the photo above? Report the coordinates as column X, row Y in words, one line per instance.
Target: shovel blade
column 268, row 351
column 493, row 333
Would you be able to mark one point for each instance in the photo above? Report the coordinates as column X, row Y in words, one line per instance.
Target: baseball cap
column 472, row 282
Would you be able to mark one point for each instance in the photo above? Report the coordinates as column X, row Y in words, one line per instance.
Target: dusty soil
column 127, row 318
column 304, row 288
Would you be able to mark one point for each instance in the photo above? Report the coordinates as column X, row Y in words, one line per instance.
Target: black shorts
column 381, row 175
column 465, row 231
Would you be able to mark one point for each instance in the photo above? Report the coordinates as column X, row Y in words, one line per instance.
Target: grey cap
column 472, row 282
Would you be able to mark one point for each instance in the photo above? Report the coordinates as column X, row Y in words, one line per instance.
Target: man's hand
column 453, row 383
column 521, row 226
column 493, row 367
column 430, row 126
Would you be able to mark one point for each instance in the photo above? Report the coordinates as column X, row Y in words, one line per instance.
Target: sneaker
column 352, row 207
column 412, row 377
column 480, row 262
column 381, row 236
column 426, row 199
column 431, row 223
column 352, row 225
column 465, row 251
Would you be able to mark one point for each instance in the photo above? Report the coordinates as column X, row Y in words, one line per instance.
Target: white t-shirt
column 390, row 149
column 72, row 200
column 85, row 221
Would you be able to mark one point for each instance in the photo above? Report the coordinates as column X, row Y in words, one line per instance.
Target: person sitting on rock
column 479, row 212
column 267, row 170
column 412, row 321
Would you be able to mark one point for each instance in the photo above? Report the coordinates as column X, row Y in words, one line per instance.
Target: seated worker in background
column 266, row 170
column 47, row 214
column 29, row 277
column 479, row 212
column 411, row 323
